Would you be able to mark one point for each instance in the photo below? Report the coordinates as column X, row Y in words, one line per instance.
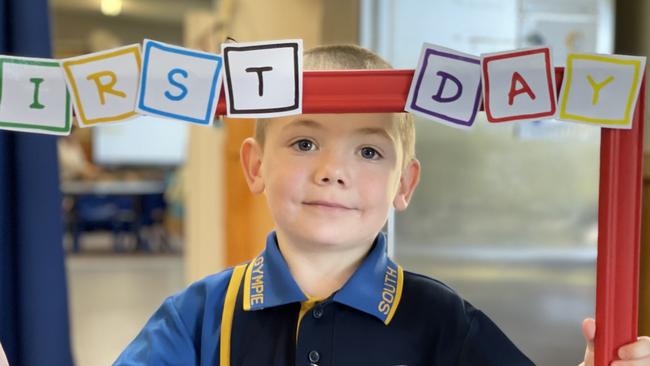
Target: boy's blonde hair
column 351, row 57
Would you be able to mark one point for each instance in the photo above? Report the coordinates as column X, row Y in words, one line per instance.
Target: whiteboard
column 141, row 141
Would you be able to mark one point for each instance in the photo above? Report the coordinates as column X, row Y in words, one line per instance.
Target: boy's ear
column 407, row 183
column 251, row 161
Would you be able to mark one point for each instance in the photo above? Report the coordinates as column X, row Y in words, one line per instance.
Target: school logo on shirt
column 254, row 284
column 257, row 282
column 391, row 291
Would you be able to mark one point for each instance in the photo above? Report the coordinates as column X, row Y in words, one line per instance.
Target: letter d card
column 446, row 87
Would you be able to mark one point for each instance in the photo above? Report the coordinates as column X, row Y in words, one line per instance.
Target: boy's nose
column 338, row 180
column 331, row 171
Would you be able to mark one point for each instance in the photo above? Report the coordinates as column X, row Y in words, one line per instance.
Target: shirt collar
column 374, row 288
column 268, row 282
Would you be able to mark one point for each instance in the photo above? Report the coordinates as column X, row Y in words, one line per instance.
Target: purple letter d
column 459, row 88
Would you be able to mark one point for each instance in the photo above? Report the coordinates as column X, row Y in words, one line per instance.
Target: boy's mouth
column 327, row 204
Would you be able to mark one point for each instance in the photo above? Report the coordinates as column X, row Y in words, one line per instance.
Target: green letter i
column 37, row 83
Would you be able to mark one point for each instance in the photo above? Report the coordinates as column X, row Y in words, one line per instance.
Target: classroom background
column 118, row 217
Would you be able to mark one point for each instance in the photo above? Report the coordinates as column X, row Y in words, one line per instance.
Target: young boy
column 324, row 292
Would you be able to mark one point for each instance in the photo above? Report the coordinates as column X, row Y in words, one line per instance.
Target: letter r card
column 104, row 85
column 446, row 87
column 263, row 79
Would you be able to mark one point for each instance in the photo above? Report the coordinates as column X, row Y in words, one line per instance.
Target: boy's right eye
column 304, row 145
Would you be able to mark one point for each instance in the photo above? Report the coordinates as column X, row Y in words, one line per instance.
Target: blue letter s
column 170, row 77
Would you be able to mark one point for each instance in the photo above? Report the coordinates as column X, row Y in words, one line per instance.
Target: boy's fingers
column 635, row 350
column 589, row 332
column 638, row 362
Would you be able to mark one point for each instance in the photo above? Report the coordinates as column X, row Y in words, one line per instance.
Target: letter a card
column 179, row 83
column 519, row 85
column 104, row 85
column 263, row 79
column 601, row 90
column 446, row 87
column 33, row 96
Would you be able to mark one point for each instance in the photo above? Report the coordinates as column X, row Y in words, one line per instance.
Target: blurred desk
column 114, row 204
column 143, row 187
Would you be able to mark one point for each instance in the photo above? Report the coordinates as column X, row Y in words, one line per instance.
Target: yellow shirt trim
column 398, row 295
column 305, row 306
column 228, row 313
column 247, row 286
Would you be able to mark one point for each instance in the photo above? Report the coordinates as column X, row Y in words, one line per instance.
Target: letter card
column 263, row 79
column 33, row 96
column 446, row 87
column 601, row 90
column 104, row 85
column 519, row 85
column 179, row 83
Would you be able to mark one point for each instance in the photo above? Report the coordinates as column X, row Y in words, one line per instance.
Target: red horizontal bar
column 358, row 91
column 354, row 91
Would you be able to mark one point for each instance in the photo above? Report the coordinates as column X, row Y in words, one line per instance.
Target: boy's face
column 331, row 179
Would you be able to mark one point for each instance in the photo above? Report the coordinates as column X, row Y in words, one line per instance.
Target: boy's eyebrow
column 302, row 123
column 375, row 131
column 361, row 131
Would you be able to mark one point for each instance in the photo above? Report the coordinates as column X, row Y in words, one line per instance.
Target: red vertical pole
column 619, row 235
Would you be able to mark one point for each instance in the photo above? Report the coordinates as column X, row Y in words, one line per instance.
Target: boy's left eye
column 304, row 145
column 370, row 153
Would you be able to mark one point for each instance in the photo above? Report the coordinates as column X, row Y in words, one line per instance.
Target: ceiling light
column 111, row 7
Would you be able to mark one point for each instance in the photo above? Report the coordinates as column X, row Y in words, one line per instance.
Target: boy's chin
column 335, row 238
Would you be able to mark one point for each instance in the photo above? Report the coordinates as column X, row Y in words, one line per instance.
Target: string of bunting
column 265, row 79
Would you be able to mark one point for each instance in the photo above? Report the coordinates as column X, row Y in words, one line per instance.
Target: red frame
column 619, row 207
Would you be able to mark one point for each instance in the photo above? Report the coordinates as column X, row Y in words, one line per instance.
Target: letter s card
column 179, row 83
column 446, row 87
column 263, row 79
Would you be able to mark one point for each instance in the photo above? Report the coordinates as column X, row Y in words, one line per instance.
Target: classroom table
column 133, row 189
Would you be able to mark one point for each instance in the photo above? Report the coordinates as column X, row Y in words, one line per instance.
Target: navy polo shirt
column 381, row 316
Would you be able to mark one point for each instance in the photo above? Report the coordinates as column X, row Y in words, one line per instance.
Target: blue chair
column 152, row 216
column 97, row 212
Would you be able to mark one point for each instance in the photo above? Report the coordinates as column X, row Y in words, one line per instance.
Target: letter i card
column 179, row 83
column 33, row 96
column 519, row 85
column 601, row 90
column 446, row 87
column 104, row 85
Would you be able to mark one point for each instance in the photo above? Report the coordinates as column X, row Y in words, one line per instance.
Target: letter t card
column 263, row 79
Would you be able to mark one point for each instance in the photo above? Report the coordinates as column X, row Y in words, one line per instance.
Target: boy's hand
column 632, row 354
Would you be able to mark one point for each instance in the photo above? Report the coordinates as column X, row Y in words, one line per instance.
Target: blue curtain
column 34, row 327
